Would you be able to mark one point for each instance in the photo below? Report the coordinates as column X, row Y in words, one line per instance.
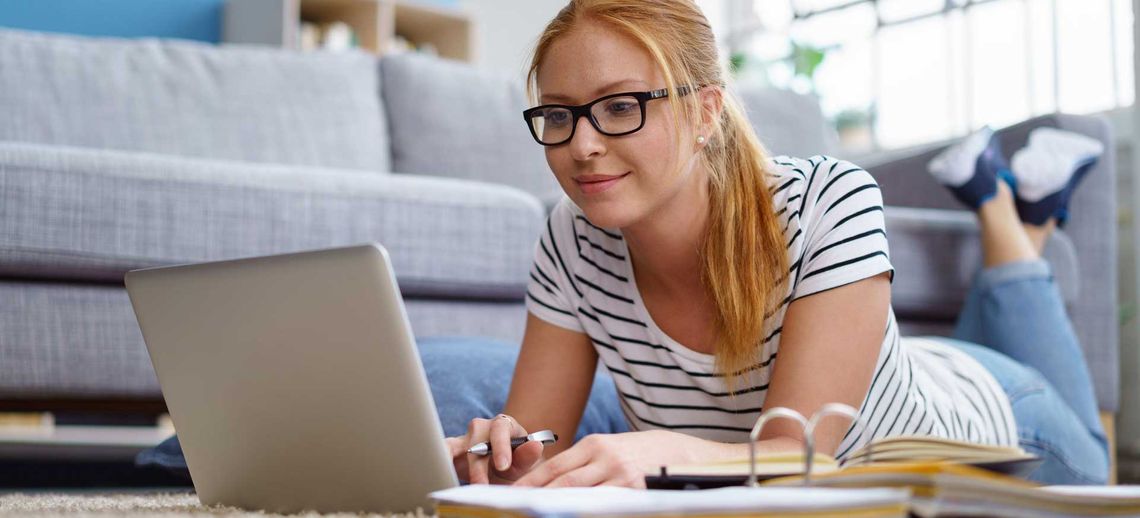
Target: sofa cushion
column 192, row 99
column 789, row 123
column 89, row 215
column 451, row 119
column 937, row 252
column 82, row 341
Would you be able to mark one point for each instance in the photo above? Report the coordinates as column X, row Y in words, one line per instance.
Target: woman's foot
column 1048, row 170
column 971, row 168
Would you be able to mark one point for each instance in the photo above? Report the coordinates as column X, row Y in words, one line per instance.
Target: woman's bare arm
column 828, row 350
column 552, row 381
column 549, row 390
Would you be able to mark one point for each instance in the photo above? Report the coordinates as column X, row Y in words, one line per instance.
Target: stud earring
column 700, row 139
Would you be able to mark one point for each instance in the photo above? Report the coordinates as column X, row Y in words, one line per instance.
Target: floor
column 133, row 502
column 90, row 471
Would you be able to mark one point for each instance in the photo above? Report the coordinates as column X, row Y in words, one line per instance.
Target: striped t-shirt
column 832, row 215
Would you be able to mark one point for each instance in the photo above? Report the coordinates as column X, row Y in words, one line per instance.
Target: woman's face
column 617, row 181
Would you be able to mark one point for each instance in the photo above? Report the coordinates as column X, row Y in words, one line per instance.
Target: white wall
column 506, row 31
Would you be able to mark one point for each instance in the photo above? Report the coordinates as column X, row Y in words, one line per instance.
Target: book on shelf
column 330, row 36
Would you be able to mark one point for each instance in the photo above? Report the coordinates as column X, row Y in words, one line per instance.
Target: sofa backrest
column 452, row 119
column 192, row 99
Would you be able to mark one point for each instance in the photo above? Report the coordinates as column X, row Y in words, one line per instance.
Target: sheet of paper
column 1117, row 492
column 607, row 500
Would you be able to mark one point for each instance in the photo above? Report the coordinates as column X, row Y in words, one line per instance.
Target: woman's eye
column 621, row 108
column 556, row 118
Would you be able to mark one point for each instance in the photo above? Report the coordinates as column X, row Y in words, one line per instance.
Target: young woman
column 712, row 280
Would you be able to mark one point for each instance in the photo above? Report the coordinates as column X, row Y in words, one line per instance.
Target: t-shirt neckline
column 643, row 313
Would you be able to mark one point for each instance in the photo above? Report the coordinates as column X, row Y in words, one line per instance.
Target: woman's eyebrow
column 599, row 91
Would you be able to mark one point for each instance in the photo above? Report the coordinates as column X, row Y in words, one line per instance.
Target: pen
column 546, row 437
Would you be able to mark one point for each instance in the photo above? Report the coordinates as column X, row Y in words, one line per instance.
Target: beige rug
column 133, row 504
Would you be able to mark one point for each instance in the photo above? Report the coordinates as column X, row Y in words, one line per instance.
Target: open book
column 904, row 449
column 891, row 450
column 927, row 449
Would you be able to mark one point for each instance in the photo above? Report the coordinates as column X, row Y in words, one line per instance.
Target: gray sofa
column 122, row 154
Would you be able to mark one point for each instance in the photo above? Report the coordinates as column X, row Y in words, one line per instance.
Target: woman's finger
column 527, row 455
column 523, row 460
column 456, row 445
column 569, row 460
column 477, row 465
column 589, row 475
column 636, row 482
column 503, row 427
column 457, row 448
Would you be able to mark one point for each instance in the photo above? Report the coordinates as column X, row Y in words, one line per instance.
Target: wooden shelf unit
column 448, row 30
column 376, row 23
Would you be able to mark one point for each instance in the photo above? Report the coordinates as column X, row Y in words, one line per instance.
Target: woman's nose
column 587, row 142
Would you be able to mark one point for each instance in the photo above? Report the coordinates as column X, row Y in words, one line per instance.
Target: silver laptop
column 294, row 382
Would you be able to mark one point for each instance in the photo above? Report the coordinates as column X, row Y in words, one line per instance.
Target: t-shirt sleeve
column 549, row 294
column 844, row 228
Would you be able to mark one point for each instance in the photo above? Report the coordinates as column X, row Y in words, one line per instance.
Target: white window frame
column 741, row 24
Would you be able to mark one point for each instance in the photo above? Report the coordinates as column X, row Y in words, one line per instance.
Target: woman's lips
column 596, row 183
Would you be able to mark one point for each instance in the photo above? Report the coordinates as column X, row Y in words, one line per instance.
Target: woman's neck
column 665, row 247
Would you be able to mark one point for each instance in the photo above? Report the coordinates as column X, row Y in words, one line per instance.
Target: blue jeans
column 1016, row 311
column 470, row 378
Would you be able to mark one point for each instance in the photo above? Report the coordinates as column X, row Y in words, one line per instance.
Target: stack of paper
column 482, row 501
column 940, row 489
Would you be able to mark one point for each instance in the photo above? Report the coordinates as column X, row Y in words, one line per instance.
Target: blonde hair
column 745, row 263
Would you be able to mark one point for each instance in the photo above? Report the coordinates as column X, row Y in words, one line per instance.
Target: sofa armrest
column 905, row 182
column 91, row 215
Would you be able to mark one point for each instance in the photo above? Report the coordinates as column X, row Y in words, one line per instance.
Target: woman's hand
column 508, row 465
column 621, row 459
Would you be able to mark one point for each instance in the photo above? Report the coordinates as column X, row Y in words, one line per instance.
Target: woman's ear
column 712, row 104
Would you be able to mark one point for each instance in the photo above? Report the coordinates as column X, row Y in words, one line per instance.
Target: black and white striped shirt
column 832, row 215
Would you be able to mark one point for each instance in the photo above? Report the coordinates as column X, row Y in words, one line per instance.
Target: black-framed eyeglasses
column 614, row 115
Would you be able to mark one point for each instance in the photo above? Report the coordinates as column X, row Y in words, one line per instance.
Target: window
column 914, row 71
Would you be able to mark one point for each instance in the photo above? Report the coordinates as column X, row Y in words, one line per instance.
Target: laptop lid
column 294, row 381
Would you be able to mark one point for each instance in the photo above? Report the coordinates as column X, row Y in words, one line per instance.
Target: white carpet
column 132, row 504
